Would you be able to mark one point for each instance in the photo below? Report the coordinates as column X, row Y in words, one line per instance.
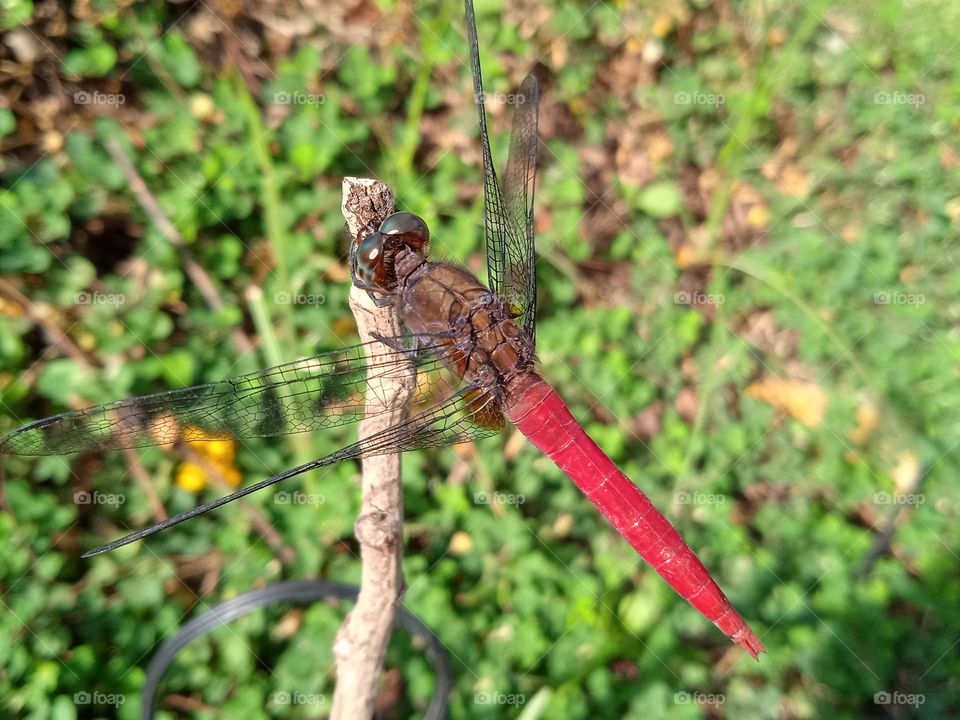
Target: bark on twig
column 361, row 642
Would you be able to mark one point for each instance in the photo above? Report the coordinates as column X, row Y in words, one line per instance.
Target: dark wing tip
column 530, row 87
column 128, row 539
column 21, row 442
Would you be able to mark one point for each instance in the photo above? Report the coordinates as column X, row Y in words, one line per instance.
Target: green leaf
column 660, row 199
column 8, row 123
column 61, row 379
column 14, row 12
column 639, row 612
column 93, row 61
column 178, row 368
column 180, row 59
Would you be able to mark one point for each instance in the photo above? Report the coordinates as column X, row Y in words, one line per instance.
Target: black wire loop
column 295, row 591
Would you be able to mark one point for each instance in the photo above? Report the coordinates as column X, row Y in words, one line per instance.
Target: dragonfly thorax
column 453, row 308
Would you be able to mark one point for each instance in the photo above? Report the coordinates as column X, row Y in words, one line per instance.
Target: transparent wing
column 468, row 414
column 325, row 391
column 520, row 286
column 508, row 213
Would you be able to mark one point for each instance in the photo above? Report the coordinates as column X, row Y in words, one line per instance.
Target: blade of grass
column 272, row 208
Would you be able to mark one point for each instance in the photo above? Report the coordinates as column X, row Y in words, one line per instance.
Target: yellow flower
column 230, row 475
column 216, row 450
column 191, row 477
column 217, row 455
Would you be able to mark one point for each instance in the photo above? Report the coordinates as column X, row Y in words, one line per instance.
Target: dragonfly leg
column 380, row 299
column 399, row 343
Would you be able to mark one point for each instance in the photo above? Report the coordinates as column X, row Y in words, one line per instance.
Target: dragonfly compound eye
column 369, row 267
column 409, row 227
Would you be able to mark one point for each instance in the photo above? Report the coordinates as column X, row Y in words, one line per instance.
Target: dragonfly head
column 375, row 256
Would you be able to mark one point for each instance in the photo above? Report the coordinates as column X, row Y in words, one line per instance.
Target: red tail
column 540, row 414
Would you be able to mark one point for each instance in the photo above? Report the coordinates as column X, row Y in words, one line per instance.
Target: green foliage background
column 813, row 208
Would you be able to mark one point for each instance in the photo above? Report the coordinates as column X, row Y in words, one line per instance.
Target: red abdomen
column 540, row 414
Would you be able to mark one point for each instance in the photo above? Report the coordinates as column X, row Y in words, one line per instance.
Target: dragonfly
column 469, row 348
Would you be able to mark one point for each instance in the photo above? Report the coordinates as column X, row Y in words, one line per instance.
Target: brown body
column 487, row 347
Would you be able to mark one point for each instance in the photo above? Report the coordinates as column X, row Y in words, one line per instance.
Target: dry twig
column 361, row 642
